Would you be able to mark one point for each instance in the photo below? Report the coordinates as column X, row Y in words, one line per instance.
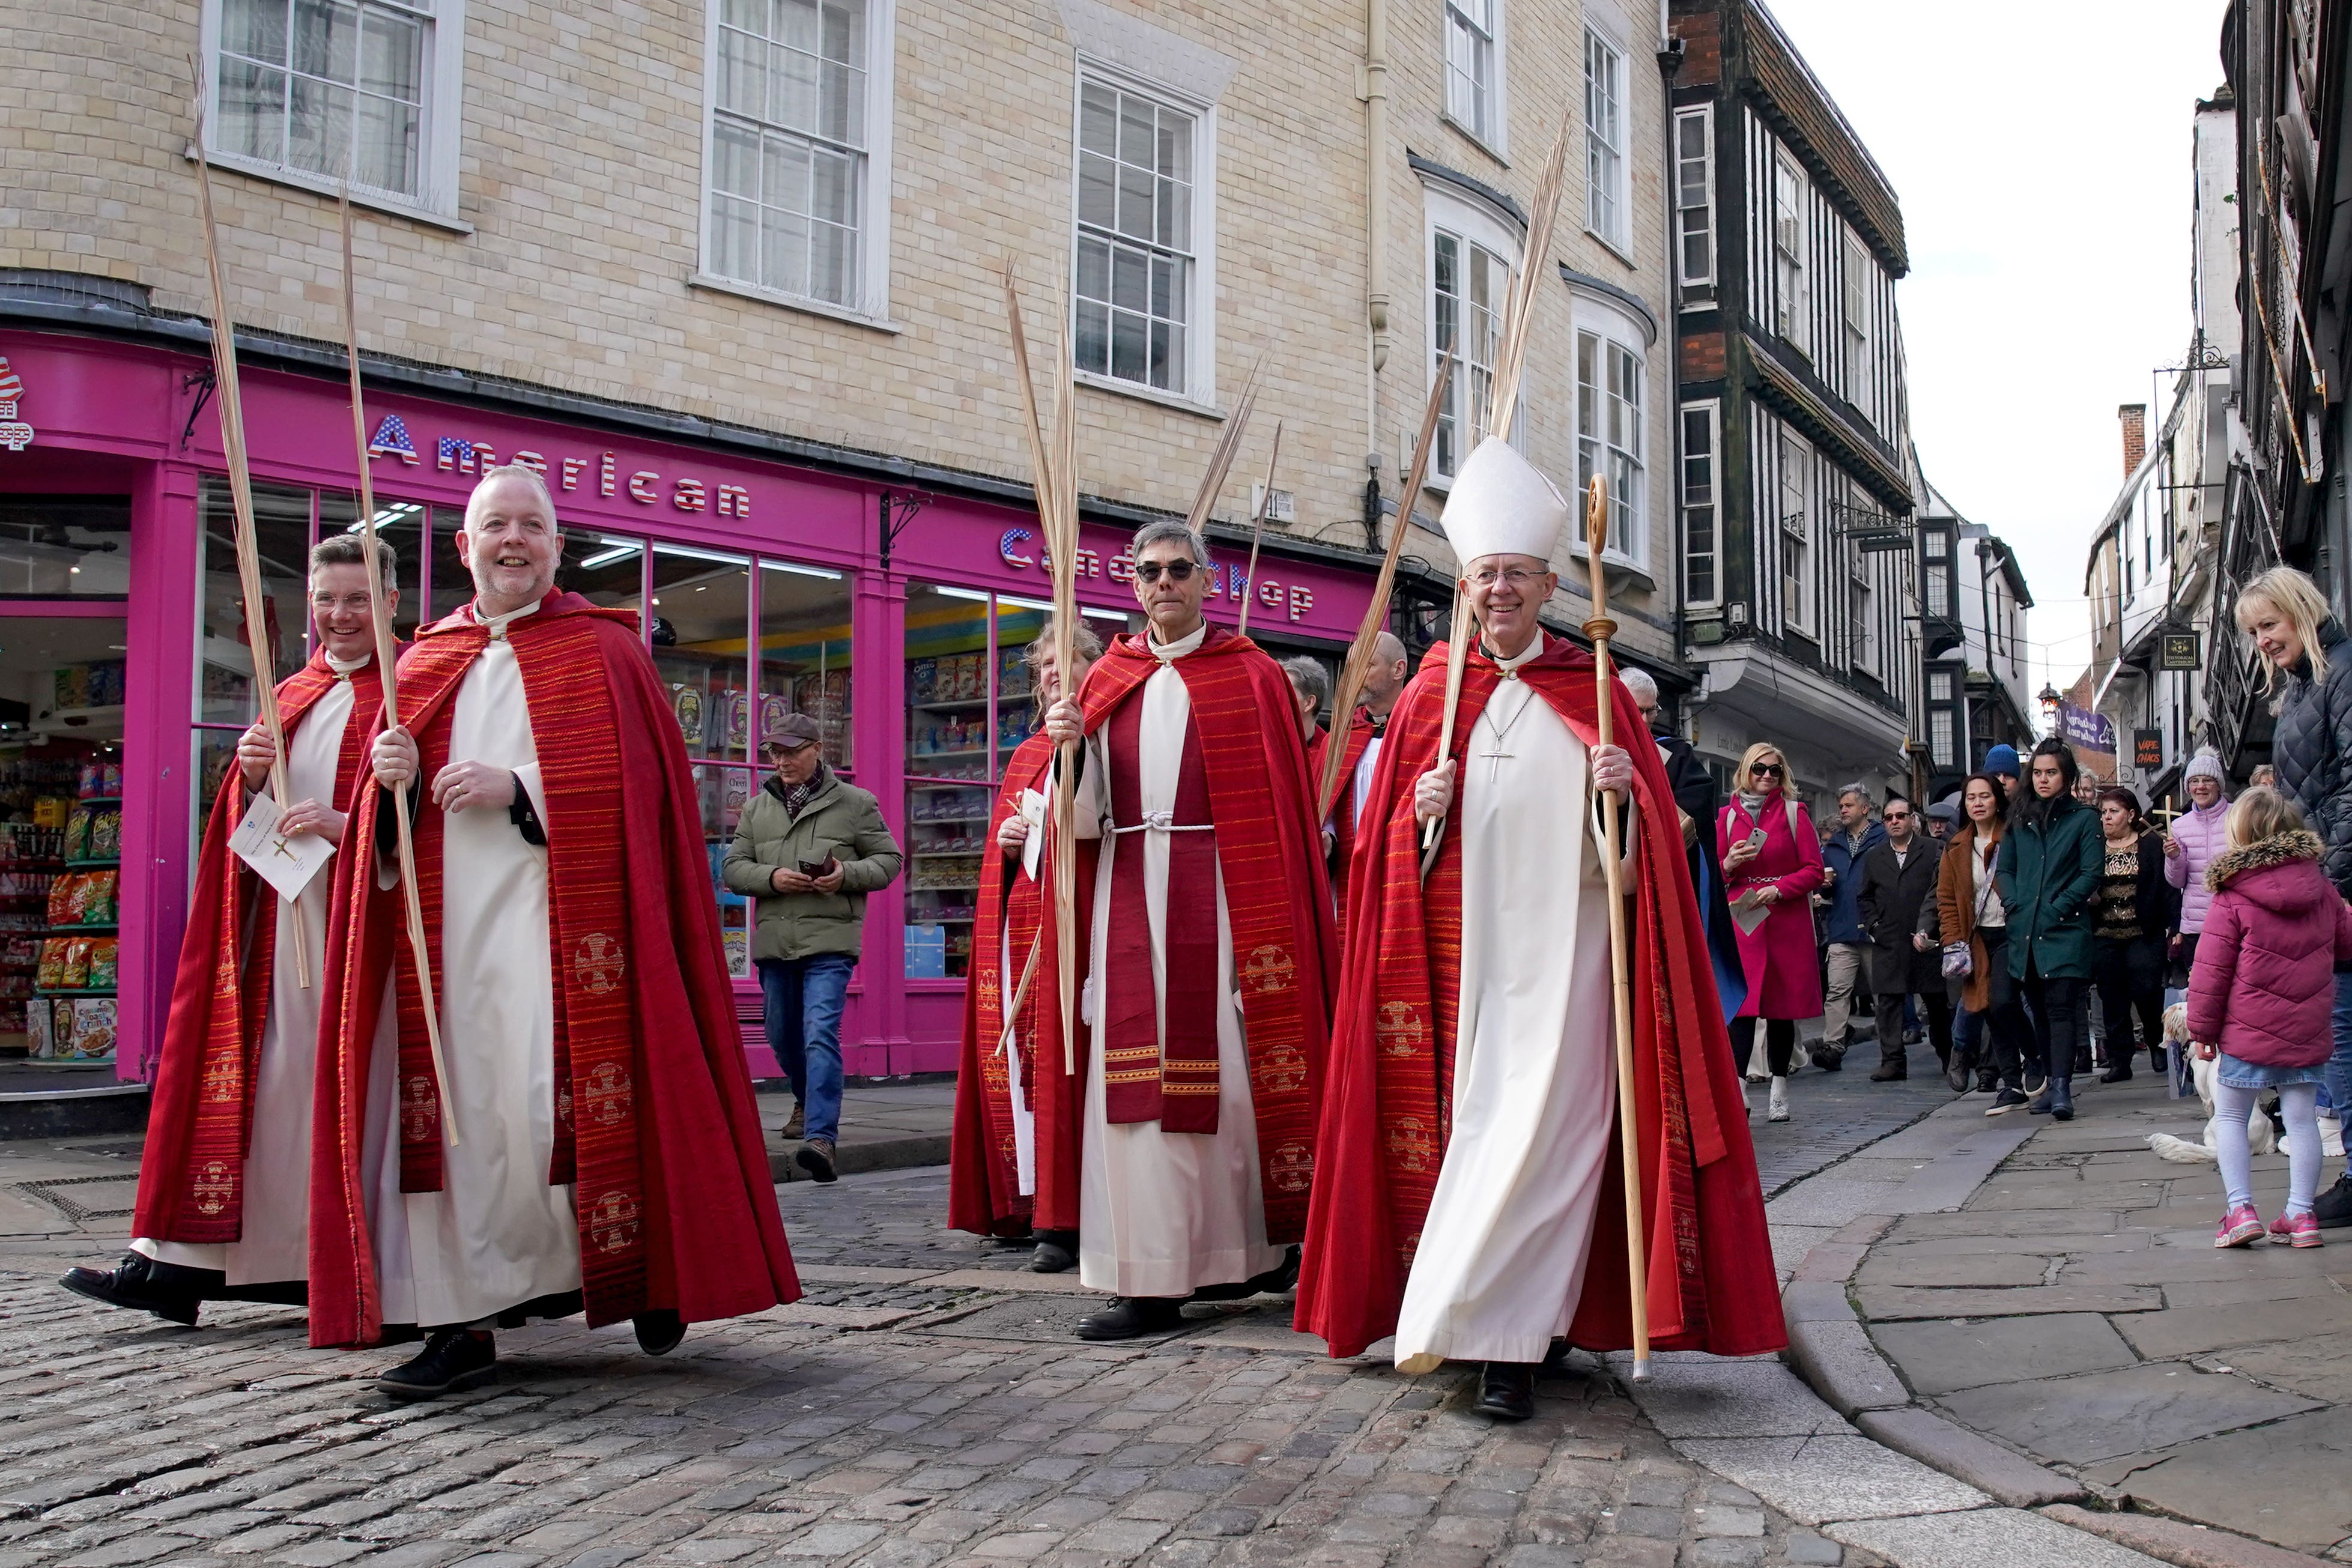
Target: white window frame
column 1854, row 312
column 1448, row 209
column 1607, row 197
column 440, row 121
column 872, row 306
column 1617, row 332
column 1709, row 413
column 1482, row 122
column 1788, row 252
column 1694, row 216
column 1201, row 323
column 1792, row 464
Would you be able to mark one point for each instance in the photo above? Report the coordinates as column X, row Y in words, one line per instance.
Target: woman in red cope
column 1013, row 1164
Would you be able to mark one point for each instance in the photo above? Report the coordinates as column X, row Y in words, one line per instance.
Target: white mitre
column 1501, row 506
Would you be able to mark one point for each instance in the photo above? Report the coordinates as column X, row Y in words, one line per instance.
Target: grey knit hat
column 2205, row 765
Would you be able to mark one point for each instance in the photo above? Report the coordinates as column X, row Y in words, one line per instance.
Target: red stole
column 1255, row 766
column 200, row 1123
column 654, row 1116
column 983, row 1170
column 1387, row 1109
column 1152, row 1074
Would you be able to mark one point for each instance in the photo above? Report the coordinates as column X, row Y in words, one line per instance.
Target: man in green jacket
column 808, row 848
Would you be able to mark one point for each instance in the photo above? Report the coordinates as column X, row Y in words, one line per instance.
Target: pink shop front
column 896, row 613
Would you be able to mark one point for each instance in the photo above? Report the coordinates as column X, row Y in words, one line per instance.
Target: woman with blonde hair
column 1771, row 864
column 2287, row 618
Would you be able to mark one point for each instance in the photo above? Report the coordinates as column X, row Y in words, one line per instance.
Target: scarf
column 796, row 796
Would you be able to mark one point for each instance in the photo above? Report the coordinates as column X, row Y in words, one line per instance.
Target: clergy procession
column 1420, row 1135
column 1415, row 1017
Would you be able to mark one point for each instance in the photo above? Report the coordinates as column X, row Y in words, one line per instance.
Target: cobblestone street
column 925, row 1402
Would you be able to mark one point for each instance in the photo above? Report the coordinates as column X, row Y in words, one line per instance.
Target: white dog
column 2261, row 1134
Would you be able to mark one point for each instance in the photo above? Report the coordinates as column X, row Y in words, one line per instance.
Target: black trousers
column 1887, row 1007
column 2130, row 977
column 2060, row 1030
column 2008, row 1032
column 1780, row 1043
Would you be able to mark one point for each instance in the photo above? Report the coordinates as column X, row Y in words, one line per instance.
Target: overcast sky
column 2042, row 153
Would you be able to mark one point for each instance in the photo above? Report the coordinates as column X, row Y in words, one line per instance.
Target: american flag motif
column 390, row 440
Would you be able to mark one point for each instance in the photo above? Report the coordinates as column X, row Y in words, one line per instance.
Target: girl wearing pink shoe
column 2260, row 998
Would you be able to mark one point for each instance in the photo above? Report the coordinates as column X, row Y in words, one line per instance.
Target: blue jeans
column 802, row 999
column 2339, row 1065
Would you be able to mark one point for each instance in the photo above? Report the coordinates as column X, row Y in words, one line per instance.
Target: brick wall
column 579, row 174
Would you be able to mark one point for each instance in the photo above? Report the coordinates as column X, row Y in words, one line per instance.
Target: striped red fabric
column 200, row 1120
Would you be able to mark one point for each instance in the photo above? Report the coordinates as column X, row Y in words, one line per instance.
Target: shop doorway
column 62, row 690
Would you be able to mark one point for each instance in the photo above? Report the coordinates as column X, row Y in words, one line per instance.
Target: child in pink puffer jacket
column 2259, row 997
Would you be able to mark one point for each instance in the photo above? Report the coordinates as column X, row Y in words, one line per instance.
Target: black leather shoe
column 1830, row 1060
column 140, row 1284
column 816, row 1158
column 1056, row 1253
column 1278, row 1280
column 1131, row 1317
column 1507, row 1391
column 1890, row 1073
column 1987, row 1081
column 2061, row 1098
column 452, row 1359
column 658, row 1331
column 2334, row 1207
column 2120, row 1073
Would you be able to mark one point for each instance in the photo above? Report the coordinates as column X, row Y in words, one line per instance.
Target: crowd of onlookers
column 2031, row 927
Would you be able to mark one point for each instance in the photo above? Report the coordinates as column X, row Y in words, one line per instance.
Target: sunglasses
column 1767, row 771
column 1177, row 571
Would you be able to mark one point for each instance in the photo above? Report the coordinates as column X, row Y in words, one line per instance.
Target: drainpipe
column 1375, row 94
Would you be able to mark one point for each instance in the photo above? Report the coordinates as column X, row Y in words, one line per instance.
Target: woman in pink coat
column 2196, row 840
column 2261, row 999
column 1771, row 864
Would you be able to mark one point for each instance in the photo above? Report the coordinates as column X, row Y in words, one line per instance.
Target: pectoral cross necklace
column 1495, row 755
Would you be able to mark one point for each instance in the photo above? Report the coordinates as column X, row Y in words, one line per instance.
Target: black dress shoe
column 1987, row 1081
column 1888, row 1073
column 658, row 1331
column 1507, row 1391
column 451, row 1361
column 2334, row 1207
column 1056, row 1253
column 2120, row 1073
column 1131, row 1317
column 1278, row 1280
column 142, row 1284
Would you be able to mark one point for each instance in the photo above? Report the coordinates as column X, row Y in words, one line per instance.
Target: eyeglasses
column 1517, row 576
column 1177, row 571
column 1898, row 816
column 1768, row 771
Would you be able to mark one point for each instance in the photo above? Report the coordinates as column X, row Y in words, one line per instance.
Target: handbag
column 1959, row 958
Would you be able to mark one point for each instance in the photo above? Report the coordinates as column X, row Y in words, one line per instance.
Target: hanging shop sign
column 2179, row 650
column 2148, row 750
column 15, row 433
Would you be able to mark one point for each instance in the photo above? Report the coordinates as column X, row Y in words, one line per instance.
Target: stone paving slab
column 2317, row 1370
column 2102, row 1414
column 2185, row 1331
column 1942, row 1357
column 1713, row 1399
column 2303, row 1500
column 1886, row 1303
column 1837, row 1477
column 1988, row 1538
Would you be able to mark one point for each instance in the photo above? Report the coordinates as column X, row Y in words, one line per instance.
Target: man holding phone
column 808, row 849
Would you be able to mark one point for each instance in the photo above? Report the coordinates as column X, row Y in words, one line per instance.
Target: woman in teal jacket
column 2051, row 859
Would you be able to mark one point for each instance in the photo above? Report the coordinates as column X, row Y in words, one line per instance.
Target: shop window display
column 61, row 702
column 968, row 706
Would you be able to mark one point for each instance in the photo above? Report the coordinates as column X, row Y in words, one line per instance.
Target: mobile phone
column 1756, row 839
column 815, row 868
